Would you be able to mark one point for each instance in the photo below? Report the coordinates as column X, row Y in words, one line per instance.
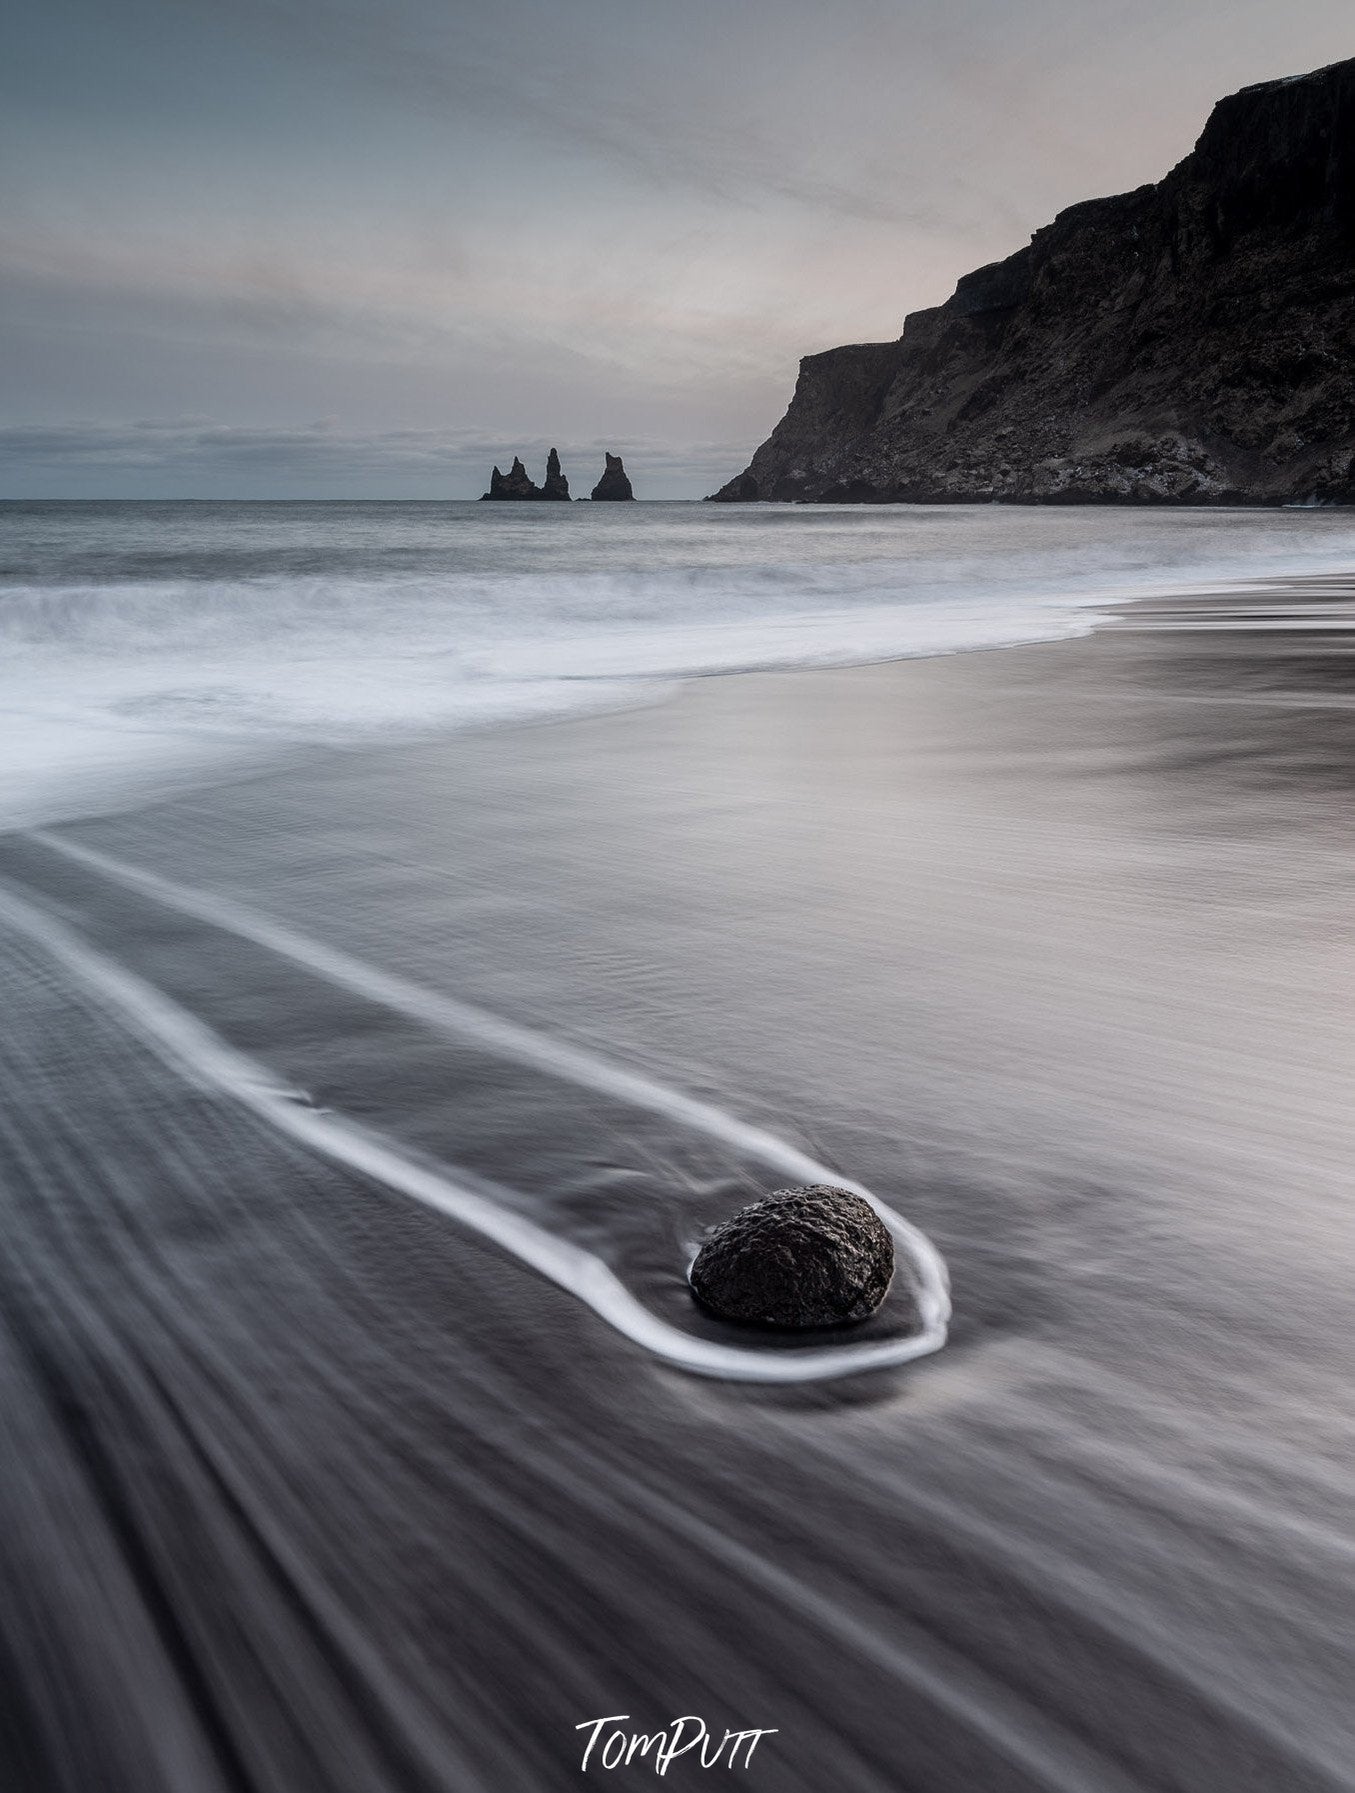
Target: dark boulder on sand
column 613, row 484
column 812, row 1256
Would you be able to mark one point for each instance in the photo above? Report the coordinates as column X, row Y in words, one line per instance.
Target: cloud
column 593, row 88
column 345, row 302
column 199, row 444
column 182, row 456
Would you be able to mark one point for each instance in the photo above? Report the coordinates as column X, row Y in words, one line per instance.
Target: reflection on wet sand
column 1051, row 948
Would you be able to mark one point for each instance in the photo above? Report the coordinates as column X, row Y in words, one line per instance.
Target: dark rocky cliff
column 1192, row 341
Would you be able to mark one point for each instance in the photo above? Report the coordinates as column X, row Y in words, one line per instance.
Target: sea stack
column 556, row 486
column 613, row 485
column 810, row 1256
column 513, row 484
column 1188, row 343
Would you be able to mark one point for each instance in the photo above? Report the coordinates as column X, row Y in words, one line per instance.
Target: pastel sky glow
column 336, row 248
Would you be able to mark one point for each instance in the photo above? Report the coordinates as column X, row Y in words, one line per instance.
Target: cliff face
column 1192, row 341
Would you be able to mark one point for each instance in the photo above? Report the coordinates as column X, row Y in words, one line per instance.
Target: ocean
column 146, row 646
column 396, row 992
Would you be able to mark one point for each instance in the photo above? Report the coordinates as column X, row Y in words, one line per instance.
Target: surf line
column 920, row 1262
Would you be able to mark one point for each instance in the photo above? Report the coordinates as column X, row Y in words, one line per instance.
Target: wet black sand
column 307, row 1487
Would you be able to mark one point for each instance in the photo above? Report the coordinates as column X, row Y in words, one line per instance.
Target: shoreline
column 1049, row 947
column 151, row 648
column 1250, row 605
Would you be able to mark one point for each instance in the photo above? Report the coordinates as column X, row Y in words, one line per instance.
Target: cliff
column 1192, row 341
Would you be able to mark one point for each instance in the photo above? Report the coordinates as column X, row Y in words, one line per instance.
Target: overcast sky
column 367, row 247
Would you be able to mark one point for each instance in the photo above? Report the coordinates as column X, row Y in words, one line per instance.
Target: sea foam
column 194, row 1050
column 143, row 647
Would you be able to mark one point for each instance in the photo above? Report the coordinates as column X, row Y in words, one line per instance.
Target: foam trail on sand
column 184, row 1042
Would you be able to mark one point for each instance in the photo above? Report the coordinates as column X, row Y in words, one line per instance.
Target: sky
column 367, row 248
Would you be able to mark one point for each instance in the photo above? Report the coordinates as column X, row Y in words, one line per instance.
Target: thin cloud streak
column 617, row 337
column 559, row 99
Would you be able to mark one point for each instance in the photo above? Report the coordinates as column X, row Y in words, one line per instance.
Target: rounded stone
column 812, row 1256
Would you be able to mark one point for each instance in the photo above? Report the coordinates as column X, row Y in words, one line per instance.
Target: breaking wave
column 145, row 645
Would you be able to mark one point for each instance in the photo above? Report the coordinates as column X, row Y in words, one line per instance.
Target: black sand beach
column 310, row 1489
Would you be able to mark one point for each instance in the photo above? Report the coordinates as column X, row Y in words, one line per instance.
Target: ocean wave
column 131, row 649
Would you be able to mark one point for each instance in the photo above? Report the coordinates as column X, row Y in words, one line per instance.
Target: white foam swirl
column 184, row 1041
